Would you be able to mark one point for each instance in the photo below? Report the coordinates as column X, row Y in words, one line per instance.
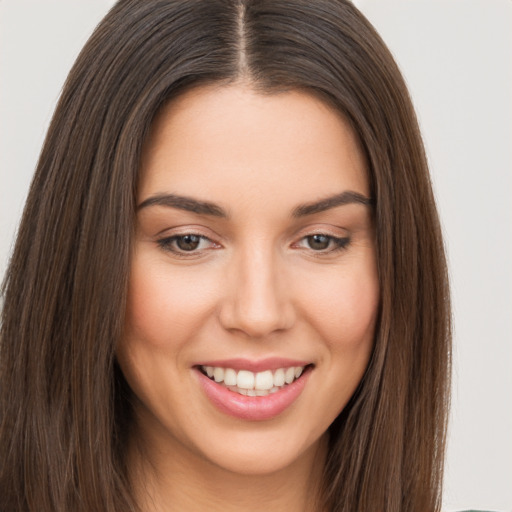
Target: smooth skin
column 254, row 274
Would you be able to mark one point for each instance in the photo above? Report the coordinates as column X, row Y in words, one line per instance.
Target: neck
column 185, row 482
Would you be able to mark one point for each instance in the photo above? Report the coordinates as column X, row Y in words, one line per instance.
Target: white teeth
column 249, row 383
column 230, row 377
column 264, row 380
column 279, row 378
column 245, row 379
column 289, row 375
column 218, row 374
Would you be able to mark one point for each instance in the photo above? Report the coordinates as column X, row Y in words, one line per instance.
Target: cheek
column 344, row 308
column 165, row 304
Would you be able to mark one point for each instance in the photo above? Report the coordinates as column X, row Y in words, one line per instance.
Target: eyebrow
column 347, row 197
column 190, row 204
column 184, row 203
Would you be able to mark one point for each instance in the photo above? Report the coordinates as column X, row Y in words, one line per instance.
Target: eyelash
column 340, row 243
column 169, row 244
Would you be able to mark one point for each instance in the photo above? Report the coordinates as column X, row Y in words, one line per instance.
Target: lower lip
column 253, row 408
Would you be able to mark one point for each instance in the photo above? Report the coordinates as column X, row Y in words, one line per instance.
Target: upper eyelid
column 168, row 244
column 328, row 235
column 180, row 235
column 189, row 229
column 338, row 240
column 171, row 231
column 327, row 230
column 331, row 231
column 303, row 233
column 300, row 239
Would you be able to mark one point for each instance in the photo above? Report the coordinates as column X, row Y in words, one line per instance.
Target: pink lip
column 252, row 408
column 271, row 363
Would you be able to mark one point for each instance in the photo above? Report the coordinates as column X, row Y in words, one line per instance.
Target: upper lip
column 270, row 363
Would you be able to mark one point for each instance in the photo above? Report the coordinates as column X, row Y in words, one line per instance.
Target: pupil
column 188, row 242
column 318, row 242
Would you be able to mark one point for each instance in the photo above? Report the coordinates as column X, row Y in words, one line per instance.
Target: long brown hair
column 64, row 405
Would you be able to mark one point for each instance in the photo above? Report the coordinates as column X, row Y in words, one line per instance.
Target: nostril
column 256, row 300
column 256, row 320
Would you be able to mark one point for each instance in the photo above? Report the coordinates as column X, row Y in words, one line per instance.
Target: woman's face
column 254, row 262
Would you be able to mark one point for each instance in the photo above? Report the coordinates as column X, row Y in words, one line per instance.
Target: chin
column 262, row 451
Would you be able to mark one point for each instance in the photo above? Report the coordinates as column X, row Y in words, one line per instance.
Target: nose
column 256, row 298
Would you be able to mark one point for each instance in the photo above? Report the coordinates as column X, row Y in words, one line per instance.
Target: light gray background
column 457, row 58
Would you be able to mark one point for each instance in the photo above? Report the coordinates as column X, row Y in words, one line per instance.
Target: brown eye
column 183, row 244
column 318, row 242
column 188, row 242
column 323, row 244
column 187, row 245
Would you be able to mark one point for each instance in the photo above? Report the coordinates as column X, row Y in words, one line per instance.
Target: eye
column 188, row 243
column 323, row 243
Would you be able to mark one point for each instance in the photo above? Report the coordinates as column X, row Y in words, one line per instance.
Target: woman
column 232, row 200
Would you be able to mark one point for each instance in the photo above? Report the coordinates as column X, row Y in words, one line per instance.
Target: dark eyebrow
column 347, row 197
column 184, row 203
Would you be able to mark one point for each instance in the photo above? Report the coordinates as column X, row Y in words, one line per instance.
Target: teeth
column 264, row 380
column 279, row 378
column 245, row 379
column 249, row 383
column 230, row 377
column 253, row 392
column 218, row 374
column 289, row 375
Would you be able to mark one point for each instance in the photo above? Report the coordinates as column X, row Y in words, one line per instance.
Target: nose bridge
column 257, row 302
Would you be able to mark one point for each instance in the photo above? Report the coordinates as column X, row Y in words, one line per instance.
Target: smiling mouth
column 245, row 382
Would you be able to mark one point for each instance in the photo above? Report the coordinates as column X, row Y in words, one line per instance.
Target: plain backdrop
column 456, row 56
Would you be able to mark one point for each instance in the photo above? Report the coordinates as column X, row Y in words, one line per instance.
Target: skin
column 254, row 288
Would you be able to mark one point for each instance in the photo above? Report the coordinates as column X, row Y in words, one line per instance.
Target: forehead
column 220, row 140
